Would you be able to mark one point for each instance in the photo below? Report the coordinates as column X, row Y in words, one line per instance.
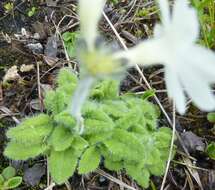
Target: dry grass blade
column 115, row 180
column 170, row 151
column 50, row 187
column 189, row 179
column 193, row 172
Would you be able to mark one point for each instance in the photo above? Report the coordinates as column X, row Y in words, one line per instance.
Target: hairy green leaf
column 62, row 164
column 1, row 180
column 113, row 165
column 61, row 138
column 66, row 76
column 138, row 174
column 18, row 151
column 89, row 161
column 32, row 131
column 107, row 89
column 55, row 101
column 65, row 119
column 79, row 143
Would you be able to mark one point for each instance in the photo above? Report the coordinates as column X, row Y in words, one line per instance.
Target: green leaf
column 107, row 89
column 128, row 120
column 158, row 169
column 13, row 182
column 125, row 145
column 55, row 101
column 1, row 180
column 115, row 109
column 65, row 119
column 93, row 126
column 138, row 174
column 148, row 93
column 62, row 164
column 67, row 77
column 31, row 131
column 96, row 120
column 79, row 143
column 211, row 150
column 61, row 138
column 89, row 161
column 18, row 151
column 8, row 172
column 113, row 165
column 211, row 117
column 98, row 137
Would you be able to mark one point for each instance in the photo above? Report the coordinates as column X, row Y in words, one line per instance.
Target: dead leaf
column 33, row 175
column 35, row 104
column 26, row 68
column 50, row 61
column 11, row 75
column 192, row 142
column 51, row 47
column 52, row 3
column 45, row 88
column 193, row 171
column 42, row 29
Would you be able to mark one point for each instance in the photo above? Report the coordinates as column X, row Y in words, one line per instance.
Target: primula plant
column 88, row 124
column 120, row 133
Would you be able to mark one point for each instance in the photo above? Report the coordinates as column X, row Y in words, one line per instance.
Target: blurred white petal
column 158, row 30
column 175, row 90
column 203, row 61
column 198, row 89
column 148, row 52
column 184, row 22
column 90, row 12
column 165, row 12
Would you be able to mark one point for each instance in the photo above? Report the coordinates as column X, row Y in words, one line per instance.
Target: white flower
column 95, row 62
column 90, row 12
column 189, row 68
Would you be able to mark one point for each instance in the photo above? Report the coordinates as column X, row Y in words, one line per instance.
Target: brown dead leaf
column 50, row 61
column 193, row 171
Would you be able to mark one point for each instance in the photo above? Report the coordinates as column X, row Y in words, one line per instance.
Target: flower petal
column 203, row 61
column 184, row 22
column 165, row 12
column 90, row 12
column 175, row 89
column 148, row 52
column 197, row 88
column 158, row 31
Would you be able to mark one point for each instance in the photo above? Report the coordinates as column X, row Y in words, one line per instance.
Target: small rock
column 35, row 48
